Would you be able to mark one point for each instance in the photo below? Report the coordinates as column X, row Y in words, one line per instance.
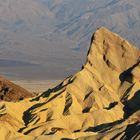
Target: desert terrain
column 99, row 102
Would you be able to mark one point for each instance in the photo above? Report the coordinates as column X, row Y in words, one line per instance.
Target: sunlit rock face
column 101, row 101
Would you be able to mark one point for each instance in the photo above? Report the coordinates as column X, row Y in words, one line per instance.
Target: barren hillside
column 101, row 101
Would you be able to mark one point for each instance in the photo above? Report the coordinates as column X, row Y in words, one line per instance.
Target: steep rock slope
column 101, row 101
column 12, row 92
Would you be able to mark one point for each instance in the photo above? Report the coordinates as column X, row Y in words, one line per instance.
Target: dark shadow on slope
column 127, row 75
column 89, row 50
column 126, row 94
column 103, row 127
column 117, row 135
column 129, row 109
column 55, row 89
column 111, row 105
column 54, row 96
column 131, row 132
column 29, row 115
column 55, row 130
column 87, row 109
column 48, row 92
column 68, row 104
column 132, row 105
column 26, row 133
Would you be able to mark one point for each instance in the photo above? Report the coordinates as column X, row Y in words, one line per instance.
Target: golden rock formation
column 101, row 101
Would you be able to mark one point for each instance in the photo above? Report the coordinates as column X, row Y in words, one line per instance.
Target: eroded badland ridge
column 101, row 101
column 12, row 92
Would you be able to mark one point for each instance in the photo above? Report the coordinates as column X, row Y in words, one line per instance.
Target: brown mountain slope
column 12, row 92
column 99, row 102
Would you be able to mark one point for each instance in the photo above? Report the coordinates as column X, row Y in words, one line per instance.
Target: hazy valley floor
column 37, row 86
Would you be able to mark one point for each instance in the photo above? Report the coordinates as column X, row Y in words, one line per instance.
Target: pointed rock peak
column 103, row 30
column 105, row 36
column 109, row 50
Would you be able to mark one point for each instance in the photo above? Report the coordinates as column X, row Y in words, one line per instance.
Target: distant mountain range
column 54, row 34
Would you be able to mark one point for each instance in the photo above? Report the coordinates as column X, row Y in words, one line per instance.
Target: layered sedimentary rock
column 101, row 101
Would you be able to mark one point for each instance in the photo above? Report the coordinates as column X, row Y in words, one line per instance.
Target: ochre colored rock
column 101, row 101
